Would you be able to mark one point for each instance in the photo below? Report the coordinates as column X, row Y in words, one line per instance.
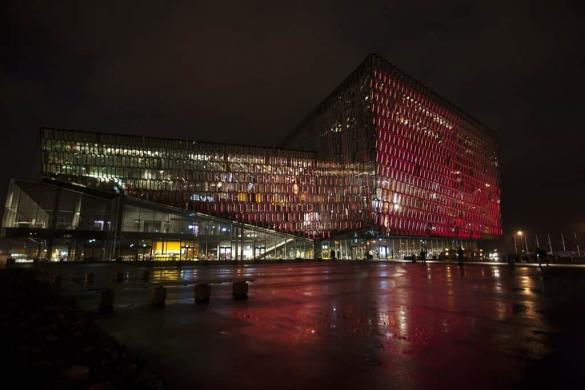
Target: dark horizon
column 245, row 74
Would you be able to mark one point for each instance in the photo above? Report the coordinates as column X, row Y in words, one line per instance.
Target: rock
column 119, row 277
column 89, row 278
column 202, row 293
column 52, row 338
column 57, row 280
column 100, row 386
column 240, row 289
column 60, row 344
column 76, row 373
column 158, row 297
column 106, row 301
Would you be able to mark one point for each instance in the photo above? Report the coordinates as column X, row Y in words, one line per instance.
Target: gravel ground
column 49, row 343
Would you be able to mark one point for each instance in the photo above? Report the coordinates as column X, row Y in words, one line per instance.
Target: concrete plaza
column 348, row 325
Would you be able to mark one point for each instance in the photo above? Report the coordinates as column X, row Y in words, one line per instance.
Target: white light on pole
column 519, row 233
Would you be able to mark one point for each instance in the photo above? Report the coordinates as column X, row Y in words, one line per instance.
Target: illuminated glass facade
column 436, row 168
column 288, row 191
column 383, row 167
column 64, row 221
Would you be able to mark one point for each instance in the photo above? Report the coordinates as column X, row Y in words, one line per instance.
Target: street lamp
column 519, row 233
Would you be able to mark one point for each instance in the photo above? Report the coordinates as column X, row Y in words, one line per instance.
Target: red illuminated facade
column 436, row 168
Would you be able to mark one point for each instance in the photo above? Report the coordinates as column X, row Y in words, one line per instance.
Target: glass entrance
column 225, row 252
column 383, row 252
column 358, row 252
column 259, row 252
column 189, row 251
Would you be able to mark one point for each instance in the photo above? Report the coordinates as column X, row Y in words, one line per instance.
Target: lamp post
column 519, row 233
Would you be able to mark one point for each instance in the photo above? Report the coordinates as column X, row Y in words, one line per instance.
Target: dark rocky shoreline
column 49, row 343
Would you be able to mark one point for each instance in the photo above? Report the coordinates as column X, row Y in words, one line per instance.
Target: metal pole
column 242, row 241
column 526, row 242
column 549, row 244
column 234, row 243
column 577, row 243
column 563, row 240
column 515, row 246
column 537, row 243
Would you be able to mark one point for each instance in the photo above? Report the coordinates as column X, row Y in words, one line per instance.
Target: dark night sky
column 248, row 72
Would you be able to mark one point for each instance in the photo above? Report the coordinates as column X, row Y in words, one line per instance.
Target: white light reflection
column 496, row 272
column 402, row 321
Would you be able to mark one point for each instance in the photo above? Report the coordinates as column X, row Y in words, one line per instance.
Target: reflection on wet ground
column 338, row 325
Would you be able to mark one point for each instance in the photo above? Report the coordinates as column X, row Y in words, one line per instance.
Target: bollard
column 158, row 296
column 145, row 276
column 202, row 293
column 119, row 277
column 89, row 278
column 240, row 289
column 106, row 301
column 57, row 280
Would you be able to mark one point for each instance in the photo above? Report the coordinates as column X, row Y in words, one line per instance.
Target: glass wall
column 38, row 205
column 284, row 190
column 385, row 152
column 395, row 248
column 436, row 168
column 182, row 235
column 57, row 222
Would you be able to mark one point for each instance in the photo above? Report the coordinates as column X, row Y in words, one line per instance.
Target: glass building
column 434, row 168
column 382, row 168
column 288, row 191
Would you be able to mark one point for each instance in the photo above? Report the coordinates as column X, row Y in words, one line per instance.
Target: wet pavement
column 319, row 325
